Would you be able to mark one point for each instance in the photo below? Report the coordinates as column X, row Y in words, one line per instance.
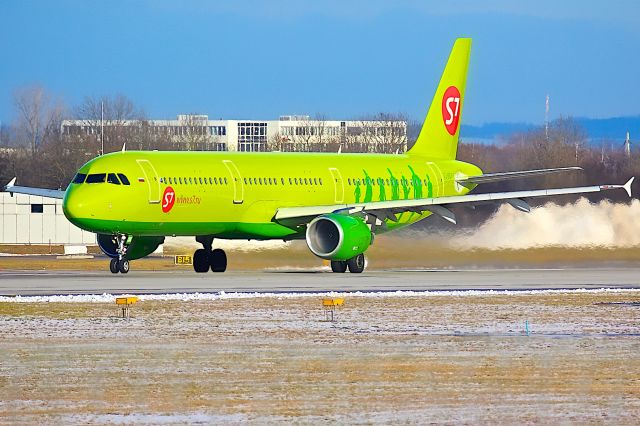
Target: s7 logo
column 451, row 109
column 168, row 199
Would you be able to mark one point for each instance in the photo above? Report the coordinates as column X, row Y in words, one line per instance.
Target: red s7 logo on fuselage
column 451, row 109
column 168, row 199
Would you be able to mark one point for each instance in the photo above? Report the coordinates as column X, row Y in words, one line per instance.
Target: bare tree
column 38, row 116
column 193, row 133
column 123, row 122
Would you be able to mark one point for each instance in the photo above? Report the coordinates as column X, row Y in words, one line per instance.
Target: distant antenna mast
column 546, row 118
column 627, row 146
column 102, row 128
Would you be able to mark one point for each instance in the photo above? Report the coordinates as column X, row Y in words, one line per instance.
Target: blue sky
column 343, row 59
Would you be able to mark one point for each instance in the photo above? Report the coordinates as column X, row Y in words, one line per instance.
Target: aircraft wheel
column 113, row 266
column 201, row 261
column 218, row 260
column 123, row 266
column 339, row 266
column 356, row 264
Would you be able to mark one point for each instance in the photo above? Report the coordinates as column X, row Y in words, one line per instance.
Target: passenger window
column 320, row 181
column 305, row 181
column 112, row 178
column 96, row 178
column 123, row 179
column 295, row 180
column 225, row 181
column 190, row 181
column 260, row 181
column 200, row 181
column 282, row 180
column 290, row 182
column 79, row 178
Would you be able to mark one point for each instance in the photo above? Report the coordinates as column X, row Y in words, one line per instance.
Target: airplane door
column 236, row 180
column 338, row 184
column 151, row 177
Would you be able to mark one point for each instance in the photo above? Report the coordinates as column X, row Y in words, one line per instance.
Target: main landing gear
column 206, row 258
column 355, row 264
column 120, row 263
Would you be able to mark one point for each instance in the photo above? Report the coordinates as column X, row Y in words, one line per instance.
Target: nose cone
column 74, row 207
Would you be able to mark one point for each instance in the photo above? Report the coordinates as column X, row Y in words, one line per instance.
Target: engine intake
column 338, row 237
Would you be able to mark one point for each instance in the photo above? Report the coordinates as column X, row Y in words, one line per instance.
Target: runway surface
column 142, row 282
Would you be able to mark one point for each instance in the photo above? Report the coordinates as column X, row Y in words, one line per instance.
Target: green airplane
column 132, row 200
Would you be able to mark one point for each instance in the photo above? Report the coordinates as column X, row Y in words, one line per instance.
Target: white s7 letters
column 452, row 115
column 168, row 197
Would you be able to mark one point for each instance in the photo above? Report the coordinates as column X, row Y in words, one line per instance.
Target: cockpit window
column 123, row 179
column 112, row 178
column 80, row 177
column 96, row 178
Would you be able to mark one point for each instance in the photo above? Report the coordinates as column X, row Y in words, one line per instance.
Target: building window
column 252, row 137
column 37, row 208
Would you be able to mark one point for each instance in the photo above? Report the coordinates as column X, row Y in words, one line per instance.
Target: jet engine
column 137, row 247
column 338, row 237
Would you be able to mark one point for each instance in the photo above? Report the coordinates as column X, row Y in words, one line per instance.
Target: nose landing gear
column 206, row 258
column 120, row 263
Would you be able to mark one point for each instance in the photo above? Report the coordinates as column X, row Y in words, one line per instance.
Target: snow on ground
column 391, row 357
column 110, row 298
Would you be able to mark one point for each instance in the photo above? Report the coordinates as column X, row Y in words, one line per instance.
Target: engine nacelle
column 137, row 247
column 338, row 237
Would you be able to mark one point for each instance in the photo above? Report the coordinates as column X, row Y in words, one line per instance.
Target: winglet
column 627, row 186
column 10, row 184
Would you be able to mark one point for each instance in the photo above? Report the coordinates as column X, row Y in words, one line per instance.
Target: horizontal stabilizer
column 499, row 177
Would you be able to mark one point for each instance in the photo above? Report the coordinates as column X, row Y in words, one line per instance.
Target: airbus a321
column 337, row 202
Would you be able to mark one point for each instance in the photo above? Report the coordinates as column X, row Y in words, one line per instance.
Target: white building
column 287, row 133
column 28, row 219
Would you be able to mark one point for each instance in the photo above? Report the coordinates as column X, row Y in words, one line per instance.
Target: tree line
column 35, row 148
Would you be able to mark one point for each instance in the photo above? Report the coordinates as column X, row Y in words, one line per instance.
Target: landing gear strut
column 206, row 258
column 355, row 264
column 120, row 263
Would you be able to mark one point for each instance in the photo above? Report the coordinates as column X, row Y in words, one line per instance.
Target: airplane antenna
column 627, row 146
column 102, row 128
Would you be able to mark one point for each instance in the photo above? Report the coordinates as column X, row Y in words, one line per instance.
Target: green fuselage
column 236, row 195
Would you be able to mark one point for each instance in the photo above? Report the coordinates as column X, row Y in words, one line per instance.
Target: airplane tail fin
column 439, row 135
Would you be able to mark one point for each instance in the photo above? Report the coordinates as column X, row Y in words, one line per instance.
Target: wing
column 49, row 193
column 499, row 177
column 381, row 210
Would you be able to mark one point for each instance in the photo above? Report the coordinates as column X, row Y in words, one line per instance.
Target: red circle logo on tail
column 168, row 199
column 451, row 109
